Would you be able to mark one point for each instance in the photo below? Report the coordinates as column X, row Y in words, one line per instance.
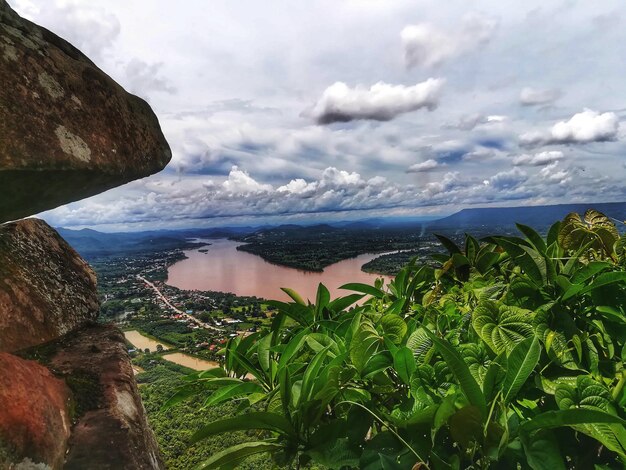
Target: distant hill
column 535, row 216
column 93, row 244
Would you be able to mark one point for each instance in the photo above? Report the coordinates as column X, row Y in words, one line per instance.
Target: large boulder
column 83, row 411
column 46, row 288
column 67, row 130
column 35, row 418
column 111, row 431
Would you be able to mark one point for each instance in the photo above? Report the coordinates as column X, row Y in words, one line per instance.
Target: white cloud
column 143, row 78
column 240, row 182
column 428, row 46
column 550, row 173
column 533, row 97
column 427, row 165
column 582, row 128
column 91, row 28
column 381, row 102
column 588, row 126
column 538, row 159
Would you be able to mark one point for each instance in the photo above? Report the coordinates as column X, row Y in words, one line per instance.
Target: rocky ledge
column 46, row 288
column 68, row 391
column 68, row 131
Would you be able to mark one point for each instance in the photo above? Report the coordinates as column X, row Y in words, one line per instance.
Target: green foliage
column 508, row 354
column 174, row 427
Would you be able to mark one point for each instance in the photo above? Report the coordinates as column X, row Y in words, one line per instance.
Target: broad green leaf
column 553, row 233
column 535, row 239
column 540, row 265
column 229, row 392
column 486, row 261
column 520, row 364
column 502, row 326
column 364, row 288
column 588, row 271
column 377, row 363
column 494, row 376
column 446, row 409
column 472, row 248
column 364, row 344
column 319, row 341
column 571, row 417
column 323, row 297
column 587, row 393
column 448, row 244
column 293, row 347
column 311, row 374
column 294, row 295
column 542, row 451
column 254, row 420
column 404, row 364
column 343, row 303
column 394, row 327
column 605, row 279
column 459, row 368
column 263, row 352
column 234, row 454
column 420, row 343
column 477, row 359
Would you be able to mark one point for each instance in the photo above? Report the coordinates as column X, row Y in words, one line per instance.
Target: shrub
column 510, row 354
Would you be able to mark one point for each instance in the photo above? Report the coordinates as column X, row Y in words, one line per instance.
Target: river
column 223, row 268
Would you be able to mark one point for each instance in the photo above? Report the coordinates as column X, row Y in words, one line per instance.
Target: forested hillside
column 509, row 354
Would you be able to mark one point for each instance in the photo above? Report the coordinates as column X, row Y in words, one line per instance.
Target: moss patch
column 86, row 390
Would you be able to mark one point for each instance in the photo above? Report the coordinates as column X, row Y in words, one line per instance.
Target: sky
column 319, row 110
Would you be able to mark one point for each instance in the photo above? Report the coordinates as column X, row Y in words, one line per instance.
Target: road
column 166, row 301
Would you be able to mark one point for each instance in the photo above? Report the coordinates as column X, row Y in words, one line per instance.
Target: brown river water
column 224, row 269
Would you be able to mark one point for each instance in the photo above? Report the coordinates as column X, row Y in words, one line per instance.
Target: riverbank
column 225, row 268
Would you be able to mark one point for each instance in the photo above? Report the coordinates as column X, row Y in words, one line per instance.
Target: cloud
column 471, row 121
column 534, row 97
column 381, row 102
column 507, row 179
column 538, row 159
column 91, row 28
column 195, row 201
column 550, row 173
column 239, row 182
column 428, row 46
column 427, row 165
column 143, row 78
column 582, row 128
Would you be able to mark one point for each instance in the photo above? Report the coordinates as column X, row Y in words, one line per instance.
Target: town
column 197, row 323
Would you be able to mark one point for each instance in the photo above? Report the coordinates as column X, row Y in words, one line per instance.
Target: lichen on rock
column 59, row 113
column 46, row 288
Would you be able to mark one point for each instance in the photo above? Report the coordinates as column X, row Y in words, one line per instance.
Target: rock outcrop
column 35, row 415
column 67, row 130
column 111, row 429
column 46, row 288
column 68, row 398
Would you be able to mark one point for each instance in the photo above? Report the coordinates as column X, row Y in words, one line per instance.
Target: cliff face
column 46, row 289
column 68, row 397
column 61, row 114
